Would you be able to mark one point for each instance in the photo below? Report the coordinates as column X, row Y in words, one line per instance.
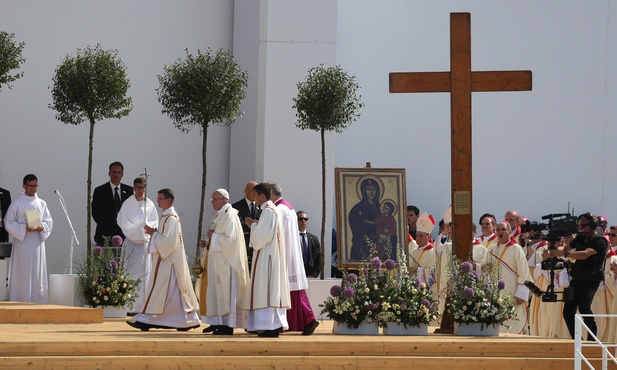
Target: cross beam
column 460, row 82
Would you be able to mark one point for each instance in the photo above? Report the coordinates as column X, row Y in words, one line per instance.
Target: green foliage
column 10, row 58
column 207, row 87
column 327, row 100
column 91, row 86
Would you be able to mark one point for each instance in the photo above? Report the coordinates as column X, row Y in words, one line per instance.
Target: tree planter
column 363, row 329
column 476, row 329
column 395, row 328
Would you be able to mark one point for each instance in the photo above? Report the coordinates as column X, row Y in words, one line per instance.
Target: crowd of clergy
column 519, row 255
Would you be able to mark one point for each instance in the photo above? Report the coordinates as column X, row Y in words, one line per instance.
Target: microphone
column 56, row 191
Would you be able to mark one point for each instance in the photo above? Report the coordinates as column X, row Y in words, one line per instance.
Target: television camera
column 558, row 226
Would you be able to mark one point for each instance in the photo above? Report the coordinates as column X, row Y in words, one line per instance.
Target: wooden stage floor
column 112, row 344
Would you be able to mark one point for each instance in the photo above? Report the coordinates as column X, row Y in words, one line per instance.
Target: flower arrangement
column 478, row 298
column 103, row 278
column 410, row 302
column 381, row 295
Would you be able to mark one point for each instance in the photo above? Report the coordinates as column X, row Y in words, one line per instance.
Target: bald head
column 248, row 191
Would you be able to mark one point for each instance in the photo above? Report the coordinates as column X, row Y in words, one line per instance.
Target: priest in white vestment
column 269, row 297
column 300, row 316
column 136, row 212
column 422, row 257
column 228, row 271
column 612, row 266
column 514, row 270
column 170, row 299
column 29, row 222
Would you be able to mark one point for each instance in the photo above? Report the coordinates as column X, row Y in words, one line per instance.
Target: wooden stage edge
column 112, row 344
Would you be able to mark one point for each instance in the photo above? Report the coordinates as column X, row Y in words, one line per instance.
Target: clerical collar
column 168, row 211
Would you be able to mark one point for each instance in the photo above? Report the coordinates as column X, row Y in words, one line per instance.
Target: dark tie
column 117, row 199
column 252, row 211
column 305, row 253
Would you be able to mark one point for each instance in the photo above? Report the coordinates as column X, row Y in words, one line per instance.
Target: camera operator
column 588, row 250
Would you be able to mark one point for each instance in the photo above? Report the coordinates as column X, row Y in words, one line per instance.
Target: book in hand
column 33, row 217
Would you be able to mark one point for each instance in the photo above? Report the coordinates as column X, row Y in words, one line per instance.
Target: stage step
column 31, row 313
column 115, row 345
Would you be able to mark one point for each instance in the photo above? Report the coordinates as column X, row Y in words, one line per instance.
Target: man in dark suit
column 5, row 201
column 247, row 208
column 311, row 248
column 106, row 202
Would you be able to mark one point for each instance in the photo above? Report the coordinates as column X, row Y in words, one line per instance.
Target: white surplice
column 28, row 271
column 138, row 263
column 269, row 295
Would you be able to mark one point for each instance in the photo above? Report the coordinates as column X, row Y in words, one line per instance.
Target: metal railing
column 579, row 358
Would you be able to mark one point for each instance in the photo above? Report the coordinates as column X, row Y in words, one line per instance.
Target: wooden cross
column 460, row 82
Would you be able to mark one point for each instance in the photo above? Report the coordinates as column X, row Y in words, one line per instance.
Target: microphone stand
column 73, row 236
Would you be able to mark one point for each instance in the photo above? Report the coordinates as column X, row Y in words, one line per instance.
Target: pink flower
column 116, row 241
column 98, row 250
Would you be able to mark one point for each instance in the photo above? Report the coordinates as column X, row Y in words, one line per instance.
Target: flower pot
column 476, row 329
column 363, row 329
column 395, row 328
column 111, row 312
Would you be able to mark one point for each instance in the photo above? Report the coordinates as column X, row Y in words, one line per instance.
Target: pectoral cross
column 460, row 82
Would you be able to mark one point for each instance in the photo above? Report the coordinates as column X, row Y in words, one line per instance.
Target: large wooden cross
column 460, row 82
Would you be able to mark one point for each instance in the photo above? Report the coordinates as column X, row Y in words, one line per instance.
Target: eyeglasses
column 502, row 229
column 213, row 199
column 302, row 218
column 612, row 235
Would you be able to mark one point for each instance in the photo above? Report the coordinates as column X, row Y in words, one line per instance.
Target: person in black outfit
column 5, row 202
column 106, row 202
column 588, row 249
column 312, row 253
column 247, row 208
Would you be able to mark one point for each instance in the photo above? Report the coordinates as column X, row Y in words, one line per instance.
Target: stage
column 112, row 344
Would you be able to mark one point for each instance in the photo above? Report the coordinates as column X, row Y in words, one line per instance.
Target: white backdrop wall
column 532, row 151
column 148, row 36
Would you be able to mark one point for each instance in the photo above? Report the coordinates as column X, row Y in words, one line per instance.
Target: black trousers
column 581, row 296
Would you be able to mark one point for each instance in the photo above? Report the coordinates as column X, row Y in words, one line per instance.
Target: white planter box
column 363, row 329
column 395, row 328
column 476, row 329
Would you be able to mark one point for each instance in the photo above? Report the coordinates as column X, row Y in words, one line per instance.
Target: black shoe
column 189, row 328
column 270, row 333
column 131, row 314
column 224, row 330
column 210, row 328
column 139, row 325
column 251, row 331
column 310, row 327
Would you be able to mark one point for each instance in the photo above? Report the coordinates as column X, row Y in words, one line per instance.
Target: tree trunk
column 203, row 187
column 89, row 186
column 323, row 202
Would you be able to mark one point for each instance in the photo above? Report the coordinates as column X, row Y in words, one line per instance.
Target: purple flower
column 352, row 278
column 372, row 306
column 116, row 241
column 474, row 275
column 431, row 281
column 98, row 250
column 415, row 283
column 376, row 263
column 114, row 264
column 403, row 304
column 348, row 292
column 390, row 264
column 466, row 266
column 336, row 290
column 468, row 292
column 426, row 303
column 501, row 285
